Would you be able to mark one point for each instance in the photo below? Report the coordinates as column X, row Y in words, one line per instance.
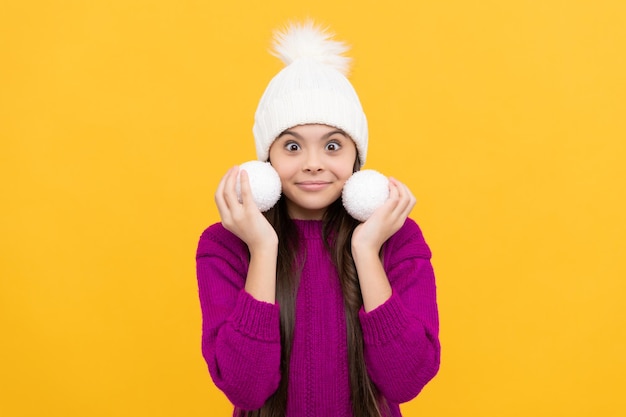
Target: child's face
column 313, row 162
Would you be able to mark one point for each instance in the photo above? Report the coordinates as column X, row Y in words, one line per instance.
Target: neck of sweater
column 309, row 229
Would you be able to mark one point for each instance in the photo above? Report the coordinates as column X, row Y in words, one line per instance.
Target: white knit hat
column 311, row 89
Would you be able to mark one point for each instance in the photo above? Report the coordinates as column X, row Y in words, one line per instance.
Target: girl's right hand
column 243, row 219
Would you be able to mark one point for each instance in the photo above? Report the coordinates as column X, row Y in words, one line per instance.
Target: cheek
column 343, row 173
column 346, row 168
column 284, row 170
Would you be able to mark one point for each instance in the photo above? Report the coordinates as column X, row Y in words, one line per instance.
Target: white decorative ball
column 264, row 183
column 364, row 192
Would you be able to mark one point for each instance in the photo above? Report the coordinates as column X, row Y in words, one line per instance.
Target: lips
column 312, row 185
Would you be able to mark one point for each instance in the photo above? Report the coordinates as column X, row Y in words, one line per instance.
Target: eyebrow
column 325, row 136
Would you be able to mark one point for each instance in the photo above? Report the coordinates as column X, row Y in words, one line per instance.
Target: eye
column 333, row 146
column 292, row 146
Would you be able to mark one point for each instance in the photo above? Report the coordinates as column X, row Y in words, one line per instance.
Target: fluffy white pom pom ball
column 264, row 183
column 364, row 192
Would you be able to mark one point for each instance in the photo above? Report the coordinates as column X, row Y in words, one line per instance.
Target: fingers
column 406, row 199
column 226, row 195
column 234, row 198
column 242, row 219
column 246, row 190
column 230, row 192
column 388, row 218
column 401, row 200
column 220, row 187
column 220, row 201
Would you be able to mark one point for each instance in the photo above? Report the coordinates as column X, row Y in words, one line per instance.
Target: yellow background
column 505, row 118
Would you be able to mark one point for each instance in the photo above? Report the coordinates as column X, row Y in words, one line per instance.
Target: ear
column 264, row 183
column 364, row 192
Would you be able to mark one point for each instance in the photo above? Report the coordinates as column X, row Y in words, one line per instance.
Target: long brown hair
column 338, row 227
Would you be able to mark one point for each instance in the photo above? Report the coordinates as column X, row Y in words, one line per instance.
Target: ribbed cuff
column 256, row 319
column 385, row 322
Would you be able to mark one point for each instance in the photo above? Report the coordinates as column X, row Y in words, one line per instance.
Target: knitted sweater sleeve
column 240, row 335
column 401, row 337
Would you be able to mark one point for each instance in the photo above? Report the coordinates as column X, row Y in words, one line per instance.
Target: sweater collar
column 309, row 229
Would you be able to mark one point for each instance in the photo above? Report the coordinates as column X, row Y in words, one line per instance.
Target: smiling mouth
column 312, row 185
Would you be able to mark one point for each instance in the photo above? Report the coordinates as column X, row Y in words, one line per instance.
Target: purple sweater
column 241, row 336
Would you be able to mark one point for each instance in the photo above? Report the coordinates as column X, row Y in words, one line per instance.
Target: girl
column 306, row 311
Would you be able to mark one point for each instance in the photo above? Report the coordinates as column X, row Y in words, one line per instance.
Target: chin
column 309, row 209
column 313, row 201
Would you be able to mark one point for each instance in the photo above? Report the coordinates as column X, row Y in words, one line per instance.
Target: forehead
column 313, row 131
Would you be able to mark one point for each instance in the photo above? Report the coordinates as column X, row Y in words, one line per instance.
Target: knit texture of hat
column 311, row 89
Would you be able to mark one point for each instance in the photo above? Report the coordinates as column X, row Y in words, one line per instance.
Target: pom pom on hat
column 364, row 192
column 311, row 89
column 308, row 41
column 264, row 184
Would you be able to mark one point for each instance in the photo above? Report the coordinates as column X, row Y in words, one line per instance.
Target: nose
column 313, row 162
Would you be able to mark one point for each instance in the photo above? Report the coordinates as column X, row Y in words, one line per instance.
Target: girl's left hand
column 386, row 220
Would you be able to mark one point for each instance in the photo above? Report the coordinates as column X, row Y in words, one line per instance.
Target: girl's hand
column 368, row 237
column 243, row 219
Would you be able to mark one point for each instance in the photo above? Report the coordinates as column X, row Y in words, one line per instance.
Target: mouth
column 312, row 185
